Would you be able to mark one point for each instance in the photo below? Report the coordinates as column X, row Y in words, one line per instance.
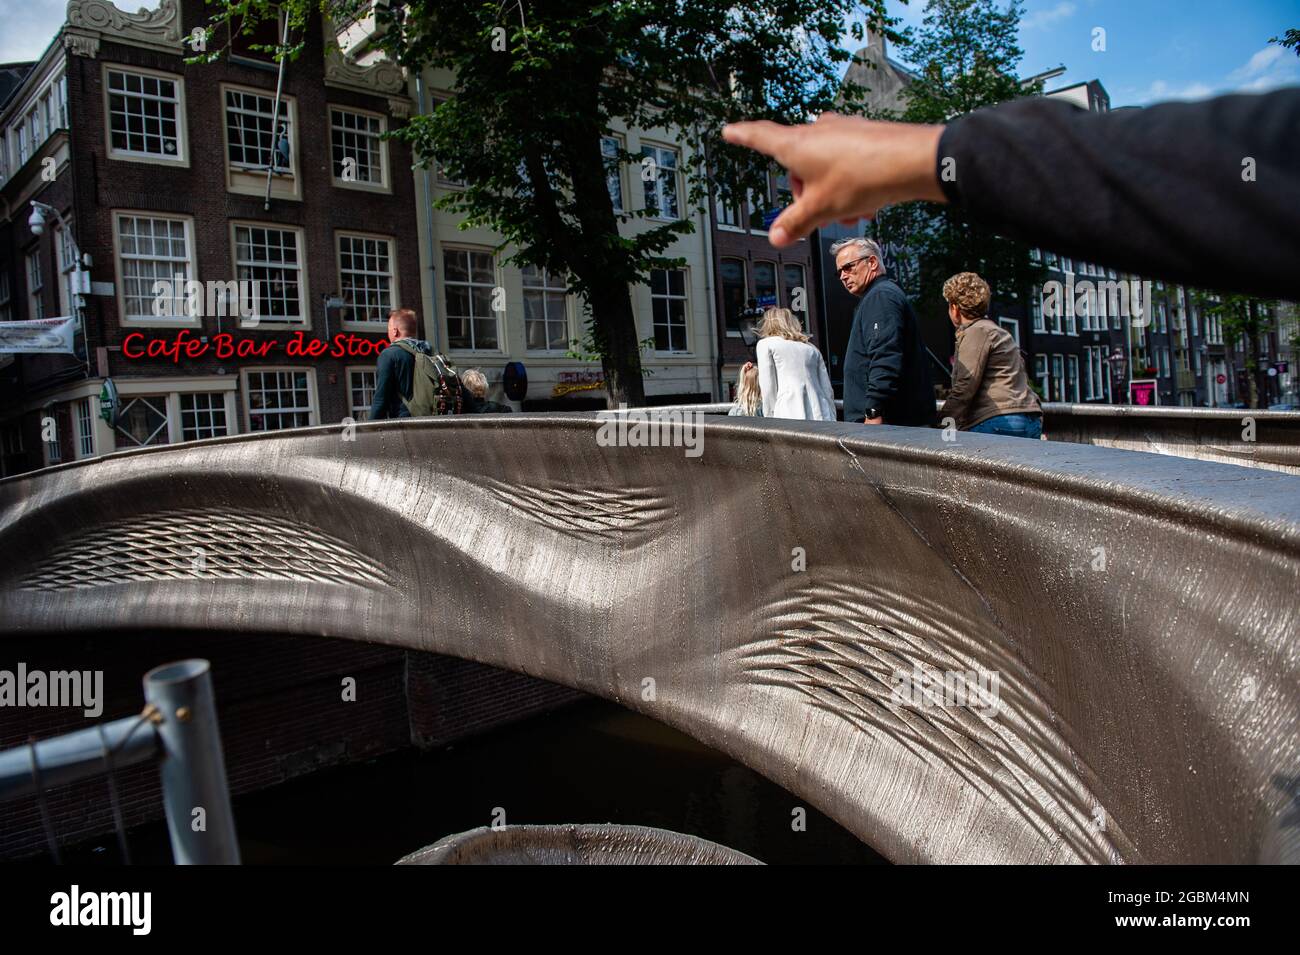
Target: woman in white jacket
column 791, row 373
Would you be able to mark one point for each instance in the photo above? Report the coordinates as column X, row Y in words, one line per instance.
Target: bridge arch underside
column 1139, row 612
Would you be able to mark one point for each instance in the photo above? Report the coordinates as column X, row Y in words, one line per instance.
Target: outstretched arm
column 1200, row 193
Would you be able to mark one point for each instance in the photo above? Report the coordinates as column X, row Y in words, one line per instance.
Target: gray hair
column 475, row 382
column 865, row 247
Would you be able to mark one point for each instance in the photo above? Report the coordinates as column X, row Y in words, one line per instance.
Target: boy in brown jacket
column 990, row 389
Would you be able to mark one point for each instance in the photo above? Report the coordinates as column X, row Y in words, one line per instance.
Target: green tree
column 538, row 85
column 1290, row 40
column 965, row 54
column 1247, row 319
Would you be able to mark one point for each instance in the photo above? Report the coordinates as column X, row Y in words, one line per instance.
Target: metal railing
column 178, row 727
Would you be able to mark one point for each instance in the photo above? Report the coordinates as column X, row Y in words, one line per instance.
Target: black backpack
column 435, row 386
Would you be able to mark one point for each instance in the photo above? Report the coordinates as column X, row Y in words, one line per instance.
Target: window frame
column 304, row 320
column 35, row 276
column 615, row 173
column 394, row 293
column 182, row 158
column 568, row 313
column 216, row 400
column 657, row 148
column 252, row 182
column 153, row 321
column 313, row 411
column 385, row 184
column 349, row 371
column 685, row 299
column 498, row 317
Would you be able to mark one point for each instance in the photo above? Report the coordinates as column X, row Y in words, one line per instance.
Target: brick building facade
column 159, row 168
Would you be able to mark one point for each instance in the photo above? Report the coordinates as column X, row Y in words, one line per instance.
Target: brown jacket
column 988, row 377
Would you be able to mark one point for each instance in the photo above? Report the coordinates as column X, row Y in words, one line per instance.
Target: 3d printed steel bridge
column 1140, row 611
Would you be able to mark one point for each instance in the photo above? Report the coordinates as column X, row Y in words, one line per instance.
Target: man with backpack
column 410, row 380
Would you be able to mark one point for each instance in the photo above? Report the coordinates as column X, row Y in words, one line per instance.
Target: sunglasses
column 848, row 266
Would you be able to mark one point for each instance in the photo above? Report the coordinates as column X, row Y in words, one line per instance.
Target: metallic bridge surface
column 1139, row 611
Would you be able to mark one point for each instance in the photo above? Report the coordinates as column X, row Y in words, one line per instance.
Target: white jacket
column 793, row 380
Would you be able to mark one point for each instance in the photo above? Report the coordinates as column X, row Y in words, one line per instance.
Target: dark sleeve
column 1162, row 192
column 967, row 373
column 884, row 350
column 385, row 384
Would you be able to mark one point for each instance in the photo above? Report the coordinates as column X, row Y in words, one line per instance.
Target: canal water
column 591, row 762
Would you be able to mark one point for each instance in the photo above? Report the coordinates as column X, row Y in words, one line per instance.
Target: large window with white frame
column 142, row 421
column 367, row 278
column 146, row 115
column 152, row 249
column 275, row 399
column 1042, row 377
column 668, row 308
column 203, row 415
column 85, row 429
column 660, row 188
column 272, row 259
column 1072, row 378
column 361, row 390
column 1058, row 378
column 259, row 139
column 469, row 280
column 610, row 149
column 546, row 310
column 357, row 149
column 35, row 285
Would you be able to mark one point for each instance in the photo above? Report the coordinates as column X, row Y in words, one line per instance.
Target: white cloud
column 30, row 25
column 1259, row 63
column 1042, row 18
column 1267, row 69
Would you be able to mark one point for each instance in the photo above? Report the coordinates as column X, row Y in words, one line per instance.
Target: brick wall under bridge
column 280, row 706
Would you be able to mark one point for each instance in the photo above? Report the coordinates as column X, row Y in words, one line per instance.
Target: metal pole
column 193, row 771
column 275, row 116
column 76, row 756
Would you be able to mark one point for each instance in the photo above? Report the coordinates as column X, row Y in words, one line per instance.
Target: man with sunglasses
column 886, row 377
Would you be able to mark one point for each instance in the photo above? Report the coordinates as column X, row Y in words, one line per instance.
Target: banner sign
column 1144, row 392
column 49, row 336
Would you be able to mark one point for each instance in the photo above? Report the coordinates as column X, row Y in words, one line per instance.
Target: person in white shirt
column 791, row 372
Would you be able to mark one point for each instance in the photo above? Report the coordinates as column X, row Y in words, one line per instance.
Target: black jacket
column 1205, row 194
column 885, row 365
column 393, row 379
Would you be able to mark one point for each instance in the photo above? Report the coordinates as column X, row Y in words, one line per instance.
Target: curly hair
column 969, row 293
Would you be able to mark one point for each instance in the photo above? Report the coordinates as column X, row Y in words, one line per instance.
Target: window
column 728, row 215
column 366, row 278
column 661, row 189
column 793, row 276
column 1072, row 378
column 1036, row 312
column 469, row 280
column 6, row 310
column 1035, row 255
column 272, row 259
column 278, row 399
column 145, row 115
column 1070, row 327
column 760, row 203
column 35, row 285
column 358, row 153
column 361, row 386
column 546, row 310
column 610, row 147
column 1088, row 378
column 735, row 290
column 1162, row 354
column 22, row 145
column 253, row 141
column 67, row 268
column 1196, row 361
column 203, row 415
column 53, row 452
column 1051, row 260
column 151, row 249
column 443, row 180
column 142, row 421
column 1013, row 329
column 62, row 94
column 1058, row 378
column 668, row 304
column 1041, row 376
column 765, row 283
column 85, row 430
column 1067, row 264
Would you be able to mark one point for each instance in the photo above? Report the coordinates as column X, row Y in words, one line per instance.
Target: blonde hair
column 781, row 323
column 748, row 396
column 969, row 293
column 475, row 382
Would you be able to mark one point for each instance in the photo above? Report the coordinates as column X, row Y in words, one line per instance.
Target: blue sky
column 1155, row 49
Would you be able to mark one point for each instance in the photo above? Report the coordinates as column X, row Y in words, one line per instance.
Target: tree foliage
column 536, row 86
